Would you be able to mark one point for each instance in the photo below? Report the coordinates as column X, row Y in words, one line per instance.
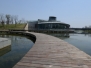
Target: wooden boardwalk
column 52, row 52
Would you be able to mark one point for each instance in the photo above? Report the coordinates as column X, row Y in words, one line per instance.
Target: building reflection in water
column 60, row 35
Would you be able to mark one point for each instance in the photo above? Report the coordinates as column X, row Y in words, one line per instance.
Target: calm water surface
column 19, row 47
column 81, row 41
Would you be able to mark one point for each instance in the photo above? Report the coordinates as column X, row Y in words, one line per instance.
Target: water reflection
column 12, row 54
column 89, row 35
column 5, row 50
column 60, row 35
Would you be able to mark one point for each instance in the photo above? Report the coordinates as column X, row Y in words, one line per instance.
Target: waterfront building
column 52, row 23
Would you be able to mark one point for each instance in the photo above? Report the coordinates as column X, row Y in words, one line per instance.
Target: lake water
column 13, row 53
column 21, row 45
column 81, row 41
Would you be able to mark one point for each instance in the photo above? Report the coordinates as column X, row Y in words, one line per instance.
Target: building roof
column 52, row 22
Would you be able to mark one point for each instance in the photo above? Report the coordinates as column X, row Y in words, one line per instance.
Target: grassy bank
column 12, row 26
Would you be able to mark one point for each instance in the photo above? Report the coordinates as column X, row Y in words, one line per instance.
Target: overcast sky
column 77, row 13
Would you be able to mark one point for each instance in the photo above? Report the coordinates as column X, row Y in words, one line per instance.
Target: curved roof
column 53, row 22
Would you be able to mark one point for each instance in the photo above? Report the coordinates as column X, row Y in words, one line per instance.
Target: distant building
column 52, row 23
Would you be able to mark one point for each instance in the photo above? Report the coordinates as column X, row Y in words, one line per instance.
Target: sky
column 77, row 13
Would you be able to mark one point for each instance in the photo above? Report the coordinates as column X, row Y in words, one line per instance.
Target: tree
column 86, row 27
column 15, row 19
column 2, row 22
column 8, row 19
column 2, row 19
column 22, row 20
column 89, row 26
column 12, row 19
